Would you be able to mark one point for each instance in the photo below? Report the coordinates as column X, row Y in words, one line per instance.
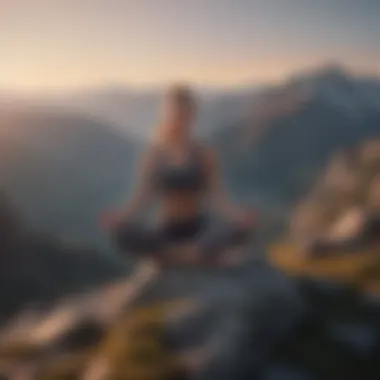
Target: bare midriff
column 180, row 206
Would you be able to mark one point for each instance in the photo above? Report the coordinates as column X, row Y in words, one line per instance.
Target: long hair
column 180, row 95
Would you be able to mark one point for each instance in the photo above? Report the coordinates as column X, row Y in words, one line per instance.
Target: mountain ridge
column 61, row 170
column 289, row 150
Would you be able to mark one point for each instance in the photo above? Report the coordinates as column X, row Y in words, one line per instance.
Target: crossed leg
column 214, row 244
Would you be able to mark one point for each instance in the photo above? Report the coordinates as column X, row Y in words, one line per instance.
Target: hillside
column 35, row 269
column 61, row 170
column 282, row 157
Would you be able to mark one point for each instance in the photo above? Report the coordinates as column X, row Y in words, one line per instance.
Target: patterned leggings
column 209, row 237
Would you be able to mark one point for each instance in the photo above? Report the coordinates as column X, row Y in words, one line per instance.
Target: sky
column 76, row 43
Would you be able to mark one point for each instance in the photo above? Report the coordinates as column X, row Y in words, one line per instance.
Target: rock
column 231, row 317
column 328, row 288
column 359, row 338
column 244, row 315
column 348, row 185
column 283, row 372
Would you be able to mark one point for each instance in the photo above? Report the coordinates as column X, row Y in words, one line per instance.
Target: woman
column 184, row 176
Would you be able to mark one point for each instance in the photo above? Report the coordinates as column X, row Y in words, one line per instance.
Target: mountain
column 129, row 110
column 349, row 182
column 282, row 157
column 136, row 111
column 272, row 162
column 61, row 169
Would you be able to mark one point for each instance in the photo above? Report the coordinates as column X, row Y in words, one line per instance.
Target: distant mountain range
column 63, row 162
column 136, row 112
column 64, row 158
column 284, row 157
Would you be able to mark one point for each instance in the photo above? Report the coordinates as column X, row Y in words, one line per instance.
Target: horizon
column 54, row 44
column 206, row 89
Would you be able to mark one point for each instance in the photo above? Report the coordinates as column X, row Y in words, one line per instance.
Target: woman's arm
column 142, row 194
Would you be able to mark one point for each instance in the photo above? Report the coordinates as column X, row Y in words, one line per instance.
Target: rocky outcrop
column 235, row 313
column 232, row 316
column 339, row 339
column 350, row 182
column 238, row 323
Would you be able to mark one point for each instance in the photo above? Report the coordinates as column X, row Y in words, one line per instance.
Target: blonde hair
column 180, row 94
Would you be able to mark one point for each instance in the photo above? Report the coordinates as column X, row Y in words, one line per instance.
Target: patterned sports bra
column 187, row 176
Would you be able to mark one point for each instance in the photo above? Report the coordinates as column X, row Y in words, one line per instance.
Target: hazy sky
column 149, row 42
